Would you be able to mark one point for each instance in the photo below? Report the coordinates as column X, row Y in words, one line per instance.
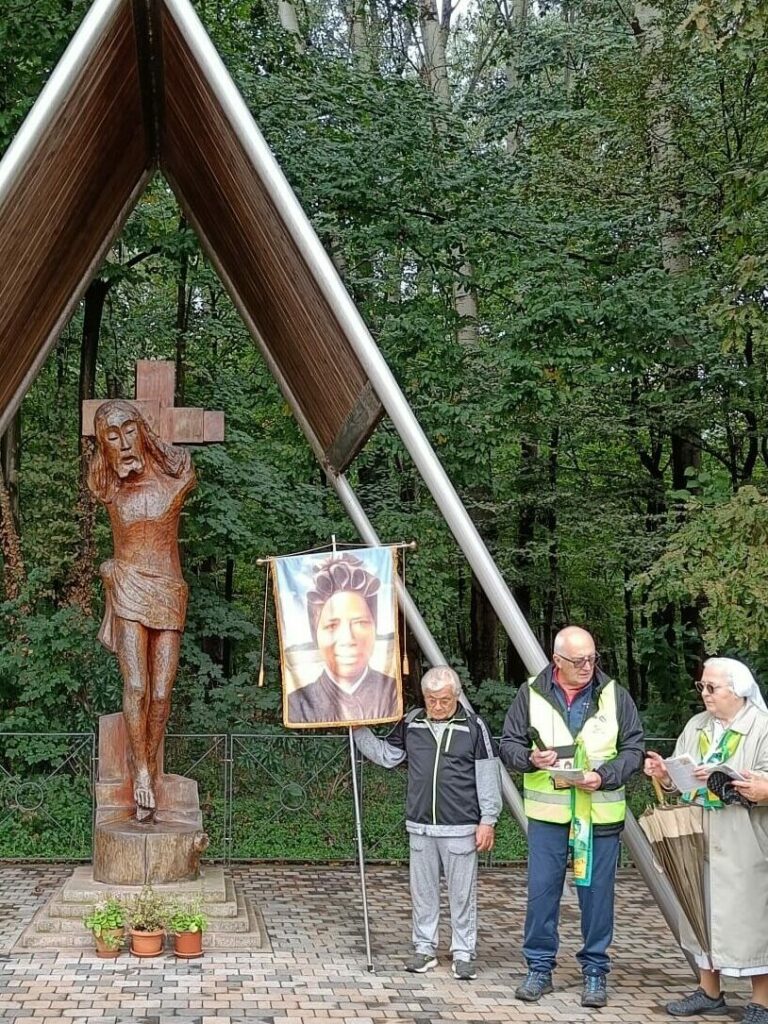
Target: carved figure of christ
column 143, row 482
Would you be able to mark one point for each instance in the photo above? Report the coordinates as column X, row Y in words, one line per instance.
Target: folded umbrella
column 676, row 835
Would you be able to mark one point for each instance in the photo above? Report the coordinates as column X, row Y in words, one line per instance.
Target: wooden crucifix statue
column 143, row 481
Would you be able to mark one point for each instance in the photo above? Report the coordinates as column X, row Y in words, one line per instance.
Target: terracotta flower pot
column 105, row 948
column 188, row 944
column 147, row 943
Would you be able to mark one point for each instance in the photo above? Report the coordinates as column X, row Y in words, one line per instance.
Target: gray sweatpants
column 457, row 857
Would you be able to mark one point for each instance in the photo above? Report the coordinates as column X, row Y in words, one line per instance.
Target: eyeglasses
column 589, row 659
column 709, row 688
column 439, row 702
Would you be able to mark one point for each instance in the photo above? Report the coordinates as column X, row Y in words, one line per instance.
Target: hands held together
column 543, row 759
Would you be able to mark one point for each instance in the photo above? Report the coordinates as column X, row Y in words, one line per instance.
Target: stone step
column 67, row 916
column 242, row 932
column 81, row 889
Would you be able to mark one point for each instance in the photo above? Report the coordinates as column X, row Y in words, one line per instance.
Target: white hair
column 740, row 679
column 438, row 678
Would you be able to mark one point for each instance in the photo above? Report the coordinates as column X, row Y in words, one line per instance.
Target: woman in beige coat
column 732, row 730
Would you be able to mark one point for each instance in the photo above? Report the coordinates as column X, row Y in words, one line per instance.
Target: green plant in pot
column 148, row 915
column 187, row 922
column 107, row 922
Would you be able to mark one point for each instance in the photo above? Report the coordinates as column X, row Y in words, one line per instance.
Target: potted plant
column 147, row 913
column 187, row 922
column 107, row 922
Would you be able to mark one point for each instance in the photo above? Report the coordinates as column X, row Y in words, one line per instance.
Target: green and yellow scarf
column 580, row 837
column 725, row 749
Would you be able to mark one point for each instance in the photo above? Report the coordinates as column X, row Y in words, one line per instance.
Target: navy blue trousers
column 547, row 859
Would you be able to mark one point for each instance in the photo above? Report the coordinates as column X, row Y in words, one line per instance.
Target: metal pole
column 360, row 853
column 633, row 836
column 424, row 638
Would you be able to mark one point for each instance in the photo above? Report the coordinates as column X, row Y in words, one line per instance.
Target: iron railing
column 264, row 796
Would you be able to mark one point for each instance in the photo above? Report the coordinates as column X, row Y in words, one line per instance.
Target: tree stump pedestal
column 127, row 852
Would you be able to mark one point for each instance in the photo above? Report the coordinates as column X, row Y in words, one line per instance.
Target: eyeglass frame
column 709, row 688
column 589, row 659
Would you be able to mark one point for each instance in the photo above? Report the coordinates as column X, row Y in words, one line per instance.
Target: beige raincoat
column 736, row 867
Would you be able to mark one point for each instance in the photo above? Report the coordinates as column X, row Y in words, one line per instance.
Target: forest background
column 554, row 219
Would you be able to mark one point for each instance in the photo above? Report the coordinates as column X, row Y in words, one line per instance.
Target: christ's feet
column 144, row 796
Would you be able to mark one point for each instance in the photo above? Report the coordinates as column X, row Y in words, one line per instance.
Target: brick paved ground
column 315, row 972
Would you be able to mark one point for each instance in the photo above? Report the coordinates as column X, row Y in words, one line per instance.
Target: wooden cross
column 155, row 388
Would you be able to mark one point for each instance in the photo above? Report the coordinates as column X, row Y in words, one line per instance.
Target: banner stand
column 360, row 854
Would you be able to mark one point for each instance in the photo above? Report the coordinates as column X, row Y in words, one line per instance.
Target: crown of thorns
column 343, row 573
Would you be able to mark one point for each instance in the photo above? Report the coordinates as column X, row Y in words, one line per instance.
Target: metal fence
column 283, row 797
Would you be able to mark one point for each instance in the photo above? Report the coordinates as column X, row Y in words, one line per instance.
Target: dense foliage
column 554, row 220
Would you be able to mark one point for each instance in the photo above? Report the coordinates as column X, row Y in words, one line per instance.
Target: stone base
column 233, row 923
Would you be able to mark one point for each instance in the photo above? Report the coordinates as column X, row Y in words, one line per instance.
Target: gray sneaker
column 420, row 963
column 594, row 993
column 536, row 985
column 698, row 1002
column 754, row 1013
column 464, row 970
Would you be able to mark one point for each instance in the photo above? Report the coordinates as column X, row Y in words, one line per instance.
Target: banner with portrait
column 339, row 646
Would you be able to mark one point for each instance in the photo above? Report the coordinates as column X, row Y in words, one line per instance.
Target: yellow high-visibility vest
column 599, row 734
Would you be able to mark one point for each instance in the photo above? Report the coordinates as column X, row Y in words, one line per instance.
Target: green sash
column 725, row 749
column 580, row 837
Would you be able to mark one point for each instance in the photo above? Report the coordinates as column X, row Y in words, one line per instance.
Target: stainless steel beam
column 424, row 638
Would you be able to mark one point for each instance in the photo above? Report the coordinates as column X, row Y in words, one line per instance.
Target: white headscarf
column 742, row 680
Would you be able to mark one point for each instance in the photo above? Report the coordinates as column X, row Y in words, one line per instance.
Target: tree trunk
column 435, row 30
column 182, row 319
column 289, row 19
column 10, row 457
column 515, row 20
column 483, row 662
column 550, row 522
column 516, row 669
column 633, row 677
column 14, row 574
column 229, row 592
column 78, row 589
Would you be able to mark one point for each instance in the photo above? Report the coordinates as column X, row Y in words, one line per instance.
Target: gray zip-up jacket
column 453, row 771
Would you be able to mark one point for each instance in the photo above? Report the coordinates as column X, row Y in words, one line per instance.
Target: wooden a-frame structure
column 141, row 89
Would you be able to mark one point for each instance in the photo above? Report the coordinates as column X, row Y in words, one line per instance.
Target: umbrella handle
column 660, row 795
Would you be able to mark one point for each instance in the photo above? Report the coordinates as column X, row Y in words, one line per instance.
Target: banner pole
column 360, row 854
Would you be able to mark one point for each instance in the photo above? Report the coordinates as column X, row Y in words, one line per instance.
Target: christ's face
column 123, row 444
column 346, row 634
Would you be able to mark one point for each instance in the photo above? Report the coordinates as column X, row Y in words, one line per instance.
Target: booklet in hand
column 565, row 776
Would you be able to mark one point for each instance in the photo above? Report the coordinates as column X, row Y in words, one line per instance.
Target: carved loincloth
column 139, row 595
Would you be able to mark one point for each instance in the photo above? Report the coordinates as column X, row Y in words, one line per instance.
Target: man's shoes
column 696, row 1003
column 754, row 1013
column 464, row 970
column 536, row 985
column 594, row 993
column 420, row 963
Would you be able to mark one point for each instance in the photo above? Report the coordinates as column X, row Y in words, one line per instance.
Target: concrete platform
column 234, row 924
column 314, row 972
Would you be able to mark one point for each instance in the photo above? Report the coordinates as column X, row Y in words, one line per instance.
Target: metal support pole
column 633, row 837
column 360, row 853
column 421, row 631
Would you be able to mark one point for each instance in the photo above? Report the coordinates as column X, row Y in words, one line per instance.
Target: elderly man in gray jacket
column 452, row 804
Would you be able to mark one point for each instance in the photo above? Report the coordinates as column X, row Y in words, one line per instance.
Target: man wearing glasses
column 576, row 736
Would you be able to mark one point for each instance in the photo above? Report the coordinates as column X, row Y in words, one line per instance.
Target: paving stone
column 315, row 970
